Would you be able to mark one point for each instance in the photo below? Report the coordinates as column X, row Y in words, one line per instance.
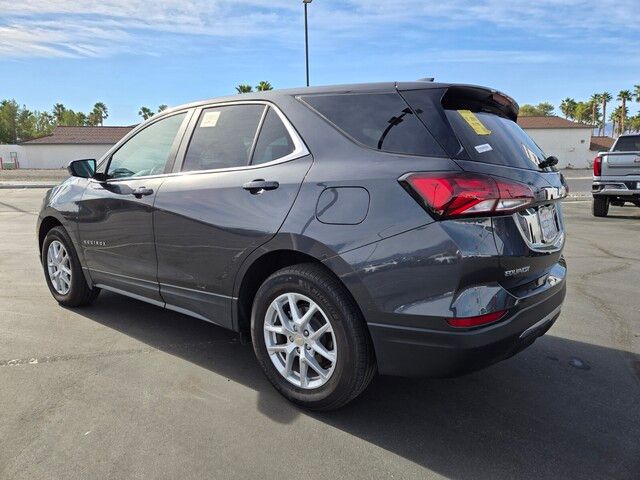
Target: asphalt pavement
column 122, row 389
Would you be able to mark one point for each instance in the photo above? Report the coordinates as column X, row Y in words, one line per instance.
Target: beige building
column 69, row 143
column 557, row 136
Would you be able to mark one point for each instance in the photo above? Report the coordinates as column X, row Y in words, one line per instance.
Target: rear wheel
column 600, row 206
column 310, row 338
column 63, row 271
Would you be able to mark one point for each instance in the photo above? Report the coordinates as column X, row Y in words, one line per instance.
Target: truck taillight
column 597, row 166
column 461, row 194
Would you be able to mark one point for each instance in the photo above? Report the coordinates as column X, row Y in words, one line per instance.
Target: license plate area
column 541, row 227
column 548, row 223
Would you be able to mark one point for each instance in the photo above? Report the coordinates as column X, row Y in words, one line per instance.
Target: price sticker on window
column 474, row 122
column 210, row 119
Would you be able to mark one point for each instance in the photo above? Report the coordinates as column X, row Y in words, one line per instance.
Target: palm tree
column 263, row 86
column 58, row 111
column 244, row 88
column 145, row 112
column 624, row 96
column 567, row 107
column 162, row 108
column 595, row 101
column 605, row 97
column 98, row 114
column 636, row 92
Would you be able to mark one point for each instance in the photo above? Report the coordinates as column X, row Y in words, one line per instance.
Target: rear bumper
column 616, row 187
column 408, row 351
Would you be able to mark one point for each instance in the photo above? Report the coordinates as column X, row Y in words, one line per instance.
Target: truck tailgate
column 620, row 163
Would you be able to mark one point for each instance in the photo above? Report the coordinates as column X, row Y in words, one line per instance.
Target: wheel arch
column 259, row 266
column 46, row 225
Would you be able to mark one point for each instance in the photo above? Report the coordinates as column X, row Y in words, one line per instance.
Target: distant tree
column 583, row 112
column 263, row 86
column 162, row 108
column 98, row 114
column 58, row 111
column 634, row 123
column 244, row 88
column 145, row 112
column 543, row 109
column 604, row 98
column 624, row 96
column 9, row 121
column 636, row 92
column 568, row 107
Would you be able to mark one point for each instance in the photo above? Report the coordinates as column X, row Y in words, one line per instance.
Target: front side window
column 147, row 153
column 223, row 137
column 273, row 141
column 382, row 121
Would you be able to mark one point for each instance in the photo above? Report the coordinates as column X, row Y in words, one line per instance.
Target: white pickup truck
column 616, row 175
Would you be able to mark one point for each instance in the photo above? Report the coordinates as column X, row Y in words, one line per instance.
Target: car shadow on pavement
column 560, row 409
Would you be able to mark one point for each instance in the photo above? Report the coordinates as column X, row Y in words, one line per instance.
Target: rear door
column 241, row 171
column 477, row 128
column 116, row 214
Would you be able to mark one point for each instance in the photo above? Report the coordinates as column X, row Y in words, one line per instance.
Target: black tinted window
column 382, row 121
column 628, row 144
column 223, row 137
column 273, row 141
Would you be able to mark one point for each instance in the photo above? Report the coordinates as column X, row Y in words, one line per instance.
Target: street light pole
column 306, row 38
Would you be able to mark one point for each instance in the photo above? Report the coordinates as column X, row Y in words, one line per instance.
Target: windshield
column 628, row 144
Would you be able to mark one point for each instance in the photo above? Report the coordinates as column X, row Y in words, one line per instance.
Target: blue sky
column 129, row 53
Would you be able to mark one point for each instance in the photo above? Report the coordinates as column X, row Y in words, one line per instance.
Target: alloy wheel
column 59, row 267
column 300, row 340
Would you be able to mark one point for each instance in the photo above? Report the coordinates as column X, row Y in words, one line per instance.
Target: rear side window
column 274, row 141
column 382, row 121
column 223, row 137
column 628, row 144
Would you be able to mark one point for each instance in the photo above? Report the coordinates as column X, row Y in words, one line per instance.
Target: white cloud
column 78, row 28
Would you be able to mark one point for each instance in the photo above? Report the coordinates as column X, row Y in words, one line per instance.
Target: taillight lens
column 467, row 322
column 459, row 194
column 597, row 166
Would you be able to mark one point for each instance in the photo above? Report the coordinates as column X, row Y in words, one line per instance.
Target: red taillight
column 597, row 166
column 456, row 194
column 466, row 322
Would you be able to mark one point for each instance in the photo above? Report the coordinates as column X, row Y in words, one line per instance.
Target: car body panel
column 205, row 226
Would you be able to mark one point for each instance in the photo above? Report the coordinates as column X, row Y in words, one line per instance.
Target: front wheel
column 63, row 271
column 600, row 206
column 310, row 338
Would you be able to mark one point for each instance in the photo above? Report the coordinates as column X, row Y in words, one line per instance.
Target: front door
column 242, row 171
column 116, row 213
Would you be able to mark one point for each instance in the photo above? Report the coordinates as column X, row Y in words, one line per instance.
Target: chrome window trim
column 299, row 151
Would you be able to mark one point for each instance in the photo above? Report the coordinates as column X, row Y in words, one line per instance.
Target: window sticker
column 474, row 122
column 210, row 119
column 485, row 147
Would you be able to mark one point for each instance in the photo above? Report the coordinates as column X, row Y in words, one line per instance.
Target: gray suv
column 401, row 228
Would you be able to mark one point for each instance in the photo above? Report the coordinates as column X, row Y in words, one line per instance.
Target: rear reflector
column 597, row 166
column 459, row 194
column 466, row 322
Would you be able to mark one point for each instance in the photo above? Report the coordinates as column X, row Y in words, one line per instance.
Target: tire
column 76, row 292
column 346, row 339
column 600, row 206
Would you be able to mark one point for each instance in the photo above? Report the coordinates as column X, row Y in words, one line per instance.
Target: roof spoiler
column 480, row 99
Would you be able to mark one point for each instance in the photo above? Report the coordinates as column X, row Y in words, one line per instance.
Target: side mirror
column 84, row 168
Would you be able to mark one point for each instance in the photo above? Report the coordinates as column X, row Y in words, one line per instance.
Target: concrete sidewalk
column 27, row 184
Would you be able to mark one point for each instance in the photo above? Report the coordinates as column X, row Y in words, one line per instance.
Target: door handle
column 142, row 191
column 258, row 186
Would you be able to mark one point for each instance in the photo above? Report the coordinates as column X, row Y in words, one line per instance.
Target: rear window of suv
column 382, row 121
column 472, row 118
